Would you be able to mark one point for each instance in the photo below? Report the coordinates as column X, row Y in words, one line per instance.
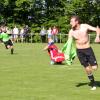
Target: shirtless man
column 84, row 51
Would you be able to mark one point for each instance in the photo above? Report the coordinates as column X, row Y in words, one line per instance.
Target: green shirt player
column 4, row 36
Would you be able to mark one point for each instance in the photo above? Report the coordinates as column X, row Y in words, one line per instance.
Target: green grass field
column 28, row 75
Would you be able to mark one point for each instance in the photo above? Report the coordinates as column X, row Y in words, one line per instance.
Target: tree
column 38, row 13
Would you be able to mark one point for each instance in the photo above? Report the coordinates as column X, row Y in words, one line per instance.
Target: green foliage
column 37, row 38
column 37, row 13
column 35, row 28
column 1, row 19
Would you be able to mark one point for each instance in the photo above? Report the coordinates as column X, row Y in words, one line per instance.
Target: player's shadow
column 59, row 64
column 14, row 53
column 82, row 84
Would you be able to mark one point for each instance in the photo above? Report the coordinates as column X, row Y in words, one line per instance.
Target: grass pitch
column 28, row 75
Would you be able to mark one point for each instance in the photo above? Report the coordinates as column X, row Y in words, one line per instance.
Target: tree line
column 37, row 13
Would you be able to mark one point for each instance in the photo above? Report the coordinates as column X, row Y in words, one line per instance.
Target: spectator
column 26, row 33
column 97, row 39
column 49, row 32
column 54, row 33
column 21, row 34
column 15, row 34
column 43, row 33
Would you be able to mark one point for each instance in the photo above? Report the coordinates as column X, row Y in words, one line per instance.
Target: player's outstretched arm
column 98, row 30
column 45, row 48
column 95, row 29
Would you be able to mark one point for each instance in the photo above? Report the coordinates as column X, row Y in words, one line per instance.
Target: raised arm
column 91, row 28
column 45, row 48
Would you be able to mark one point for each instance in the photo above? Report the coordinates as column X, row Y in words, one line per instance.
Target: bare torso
column 81, row 37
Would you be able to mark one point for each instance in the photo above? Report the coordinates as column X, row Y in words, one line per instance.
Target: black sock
column 12, row 50
column 91, row 78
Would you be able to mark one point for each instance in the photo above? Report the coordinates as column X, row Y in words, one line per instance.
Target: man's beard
column 74, row 28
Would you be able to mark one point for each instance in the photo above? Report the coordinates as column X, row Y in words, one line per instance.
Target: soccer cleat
column 93, row 88
column 52, row 62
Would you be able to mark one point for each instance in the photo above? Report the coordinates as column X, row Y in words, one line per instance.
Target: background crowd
column 25, row 35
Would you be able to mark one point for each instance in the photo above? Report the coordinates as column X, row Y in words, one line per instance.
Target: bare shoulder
column 84, row 25
column 88, row 27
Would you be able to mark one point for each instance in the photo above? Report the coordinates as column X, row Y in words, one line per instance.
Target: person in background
column 97, row 39
column 21, row 34
column 15, row 33
column 54, row 33
column 26, row 34
column 49, row 32
column 43, row 33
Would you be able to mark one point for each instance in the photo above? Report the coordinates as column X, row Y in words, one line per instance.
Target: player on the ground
column 55, row 55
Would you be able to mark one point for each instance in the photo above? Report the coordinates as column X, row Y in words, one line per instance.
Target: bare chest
column 80, row 34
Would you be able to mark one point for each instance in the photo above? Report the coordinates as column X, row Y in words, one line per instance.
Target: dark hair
column 76, row 18
column 0, row 30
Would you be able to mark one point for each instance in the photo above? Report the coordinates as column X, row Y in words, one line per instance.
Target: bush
column 37, row 38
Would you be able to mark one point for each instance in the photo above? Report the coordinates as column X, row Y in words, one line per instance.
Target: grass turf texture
column 28, row 75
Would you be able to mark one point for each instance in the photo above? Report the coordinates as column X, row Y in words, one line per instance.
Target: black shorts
column 86, row 57
column 9, row 42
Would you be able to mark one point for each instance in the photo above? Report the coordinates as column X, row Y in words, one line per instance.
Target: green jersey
column 4, row 36
column 69, row 51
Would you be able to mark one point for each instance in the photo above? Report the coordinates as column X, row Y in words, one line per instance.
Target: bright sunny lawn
column 28, row 75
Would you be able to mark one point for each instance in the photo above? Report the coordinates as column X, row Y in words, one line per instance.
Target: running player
column 4, row 36
column 84, row 51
